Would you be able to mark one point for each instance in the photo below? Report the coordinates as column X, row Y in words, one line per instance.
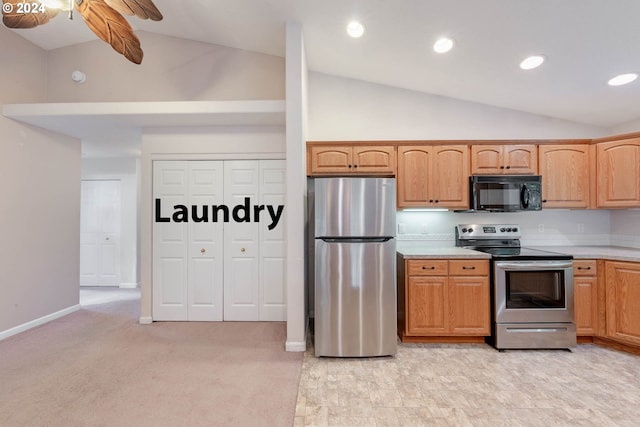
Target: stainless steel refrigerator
column 355, row 266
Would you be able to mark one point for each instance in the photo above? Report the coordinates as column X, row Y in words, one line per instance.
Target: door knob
column 242, row 249
column 203, row 250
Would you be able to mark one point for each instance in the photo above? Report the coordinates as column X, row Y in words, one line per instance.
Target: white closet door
column 100, row 233
column 170, row 242
column 205, row 242
column 241, row 241
column 272, row 242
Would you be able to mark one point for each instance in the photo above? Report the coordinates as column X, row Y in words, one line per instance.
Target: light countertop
column 440, row 252
column 614, row 253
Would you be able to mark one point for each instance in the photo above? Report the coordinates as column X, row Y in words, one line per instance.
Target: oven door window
column 500, row 196
column 535, row 289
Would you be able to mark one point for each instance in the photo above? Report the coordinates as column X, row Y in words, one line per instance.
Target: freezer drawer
column 355, row 298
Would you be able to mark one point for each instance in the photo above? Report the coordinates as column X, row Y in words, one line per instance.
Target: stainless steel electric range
column 531, row 290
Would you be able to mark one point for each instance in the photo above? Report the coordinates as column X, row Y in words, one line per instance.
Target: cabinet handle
column 430, row 200
column 437, row 201
column 355, row 166
column 508, row 167
column 464, row 267
column 349, row 166
column 584, row 268
column 501, row 167
column 544, row 201
column 428, row 268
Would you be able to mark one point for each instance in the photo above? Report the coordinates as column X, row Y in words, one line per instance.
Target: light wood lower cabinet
column 443, row 300
column 585, row 295
column 623, row 301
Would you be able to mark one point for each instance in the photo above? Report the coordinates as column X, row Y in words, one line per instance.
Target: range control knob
column 471, row 230
column 503, row 229
column 464, row 230
column 515, row 230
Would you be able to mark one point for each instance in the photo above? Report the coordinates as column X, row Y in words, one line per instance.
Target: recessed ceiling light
column 355, row 29
column 532, row 62
column 443, row 45
column 622, row 79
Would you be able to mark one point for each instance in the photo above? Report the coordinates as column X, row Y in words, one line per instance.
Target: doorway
column 100, row 233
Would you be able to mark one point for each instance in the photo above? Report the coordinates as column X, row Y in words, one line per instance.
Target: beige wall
column 40, row 191
column 172, row 70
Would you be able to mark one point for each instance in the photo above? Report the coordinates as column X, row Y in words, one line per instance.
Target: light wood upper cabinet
column 618, row 173
column 351, row 159
column 433, row 176
column 565, row 175
column 623, row 301
column 504, row 159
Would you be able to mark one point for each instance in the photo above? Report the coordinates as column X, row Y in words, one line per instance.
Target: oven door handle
column 525, row 265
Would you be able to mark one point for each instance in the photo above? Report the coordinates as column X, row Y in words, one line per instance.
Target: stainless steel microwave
column 505, row 193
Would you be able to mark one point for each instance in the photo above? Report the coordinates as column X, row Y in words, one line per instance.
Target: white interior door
column 205, row 279
column 100, row 233
column 272, row 242
column 241, row 241
column 170, row 293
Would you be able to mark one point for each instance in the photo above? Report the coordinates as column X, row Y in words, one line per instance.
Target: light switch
column 402, row 229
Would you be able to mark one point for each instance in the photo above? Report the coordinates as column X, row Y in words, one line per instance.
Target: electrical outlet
column 402, row 229
column 580, row 228
column 540, row 228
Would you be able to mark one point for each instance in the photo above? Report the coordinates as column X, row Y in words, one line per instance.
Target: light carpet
column 99, row 367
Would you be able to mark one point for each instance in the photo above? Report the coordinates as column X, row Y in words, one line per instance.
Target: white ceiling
column 586, row 43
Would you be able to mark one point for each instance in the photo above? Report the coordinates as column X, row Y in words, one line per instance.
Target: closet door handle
column 203, row 250
column 242, row 249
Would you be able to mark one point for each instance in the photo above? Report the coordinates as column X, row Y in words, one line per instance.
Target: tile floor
column 471, row 385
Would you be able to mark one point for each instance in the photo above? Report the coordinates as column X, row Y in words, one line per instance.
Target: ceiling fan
column 103, row 17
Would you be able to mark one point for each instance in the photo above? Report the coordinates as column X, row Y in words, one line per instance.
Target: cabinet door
column 426, row 305
column 520, row 159
column 486, row 160
column 619, row 174
column 565, row 175
column 469, row 305
column 331, row 160
column 450, row 176
column 585, row 295
column 376, row 160
column 414, row 170
column 623, row 301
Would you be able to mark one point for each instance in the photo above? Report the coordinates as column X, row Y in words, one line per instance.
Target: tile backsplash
column 551, row 227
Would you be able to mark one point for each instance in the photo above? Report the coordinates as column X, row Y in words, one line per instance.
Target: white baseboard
column 146, row 320
column 297, row 346
column 37, row 322
column 128, row 285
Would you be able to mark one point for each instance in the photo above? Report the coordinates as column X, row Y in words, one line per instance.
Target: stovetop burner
column 502, row 241
column 519, row 253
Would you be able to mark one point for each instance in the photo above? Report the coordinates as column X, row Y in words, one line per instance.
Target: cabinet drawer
column 427, row 267
column 584, row 267
column 469, row 267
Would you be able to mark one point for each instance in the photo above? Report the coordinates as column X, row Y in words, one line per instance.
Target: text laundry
column 214, row 213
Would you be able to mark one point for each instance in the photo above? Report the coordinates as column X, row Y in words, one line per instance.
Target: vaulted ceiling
column 585, row 42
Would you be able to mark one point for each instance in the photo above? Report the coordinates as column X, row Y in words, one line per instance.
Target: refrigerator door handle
column 355, row 239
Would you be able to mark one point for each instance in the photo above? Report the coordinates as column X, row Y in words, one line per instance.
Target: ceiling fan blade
column 144, row 9
column 13, row 19
column 111, row 27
